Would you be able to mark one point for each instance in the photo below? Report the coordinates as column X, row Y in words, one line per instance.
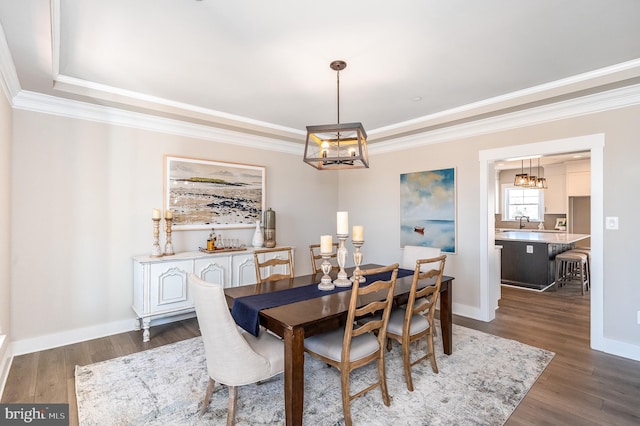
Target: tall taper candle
column 343, row 223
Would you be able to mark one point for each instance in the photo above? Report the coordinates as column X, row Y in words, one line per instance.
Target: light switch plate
column 638, row 317
column 529, row 248
column 611, row 222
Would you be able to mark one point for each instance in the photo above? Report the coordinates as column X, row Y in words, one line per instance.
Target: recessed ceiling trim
column 126, row 97
column 47, row 104
column 599, row 102
column 55, row 38
column 618, row 98
column 599, row 77
column 8, row 73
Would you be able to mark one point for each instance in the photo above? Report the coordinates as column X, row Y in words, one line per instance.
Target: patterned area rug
column 482, row 382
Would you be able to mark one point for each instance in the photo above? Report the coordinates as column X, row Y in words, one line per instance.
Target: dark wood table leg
column 294, row 375
column 446, row 318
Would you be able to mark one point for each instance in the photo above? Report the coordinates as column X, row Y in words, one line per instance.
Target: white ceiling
column 263, row 66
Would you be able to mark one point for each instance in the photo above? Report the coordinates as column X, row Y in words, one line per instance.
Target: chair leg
column 207, row 396
column 382, row 376
column 231, row 408
column 406, row 360
column 432, row 353
column 346, row 399
column 388, row 345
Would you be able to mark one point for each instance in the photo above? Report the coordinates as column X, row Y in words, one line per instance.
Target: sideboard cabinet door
column 244, row 270
column 214, row 269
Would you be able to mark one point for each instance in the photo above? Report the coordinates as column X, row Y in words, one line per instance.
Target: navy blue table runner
column 246, row 309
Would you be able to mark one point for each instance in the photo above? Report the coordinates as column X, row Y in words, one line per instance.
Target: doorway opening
column 489, row 272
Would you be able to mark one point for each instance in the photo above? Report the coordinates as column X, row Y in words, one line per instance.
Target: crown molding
column 8, row 75
column 46, row 104
column 590, row 104
column 566, row 86
column 600, row 102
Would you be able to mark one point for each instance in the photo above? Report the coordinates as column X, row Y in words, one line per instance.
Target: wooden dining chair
column 357, row 345
column 234, row 357
column 414, row 321
column 316, row 258
column 412, row 253
column 276, row 259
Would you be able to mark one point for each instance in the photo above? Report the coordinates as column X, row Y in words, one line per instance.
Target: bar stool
column 570, row 267
column 587, row 251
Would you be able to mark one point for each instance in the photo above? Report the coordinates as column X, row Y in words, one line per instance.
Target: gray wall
column 85, row 191
column 621, row 128
column 5, row 221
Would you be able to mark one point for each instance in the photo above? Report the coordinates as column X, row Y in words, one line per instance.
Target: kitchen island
column 528, row 257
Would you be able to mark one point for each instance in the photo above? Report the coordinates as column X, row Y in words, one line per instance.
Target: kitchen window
column 520, row 201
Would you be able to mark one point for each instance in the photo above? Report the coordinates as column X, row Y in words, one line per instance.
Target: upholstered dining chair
column 234, row 357
column 278, row 257
column 316, row 257
column 357, row 345
column 414, row 321
column 412, row 253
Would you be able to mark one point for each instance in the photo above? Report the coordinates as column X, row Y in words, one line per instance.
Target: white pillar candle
column 326, row 244
column 358, row 233
column 156, row 214
column 168, row 214
column 343, row 223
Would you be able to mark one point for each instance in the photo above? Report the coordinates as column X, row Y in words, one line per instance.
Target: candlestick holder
column 357, row 259
column 168, row 246
column 325, row 282
column 343, row 279
column 156, row 251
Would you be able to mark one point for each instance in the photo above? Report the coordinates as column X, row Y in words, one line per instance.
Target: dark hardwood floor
column 579, row 387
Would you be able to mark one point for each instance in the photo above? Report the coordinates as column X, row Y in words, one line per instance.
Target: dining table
column 293, row 322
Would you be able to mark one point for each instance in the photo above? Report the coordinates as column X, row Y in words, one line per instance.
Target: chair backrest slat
column 273, row 262
column 385, row 288
column 428, row 295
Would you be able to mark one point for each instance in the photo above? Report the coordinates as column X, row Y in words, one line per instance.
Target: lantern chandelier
column 337, row 146
column 528, row 180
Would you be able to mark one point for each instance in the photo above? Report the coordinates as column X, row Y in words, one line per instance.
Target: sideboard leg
column 136, row 326
column 146, row 323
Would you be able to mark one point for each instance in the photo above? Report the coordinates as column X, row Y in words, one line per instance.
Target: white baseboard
column 472, row 312
column 48, row 341
column 5, row 361
column 615, row 347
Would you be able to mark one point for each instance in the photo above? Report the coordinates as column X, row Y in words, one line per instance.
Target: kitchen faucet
column 520, row 218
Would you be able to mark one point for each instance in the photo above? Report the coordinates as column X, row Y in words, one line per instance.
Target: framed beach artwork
column 428, row 209
column 204, row 194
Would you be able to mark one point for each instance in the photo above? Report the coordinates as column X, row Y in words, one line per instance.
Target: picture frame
column 561, row 224
column 205, row 194
column 428, row 209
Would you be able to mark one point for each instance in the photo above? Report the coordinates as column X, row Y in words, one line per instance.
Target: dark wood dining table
column 295, row 321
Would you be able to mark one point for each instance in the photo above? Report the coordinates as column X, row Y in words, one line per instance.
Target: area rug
column 480, row 383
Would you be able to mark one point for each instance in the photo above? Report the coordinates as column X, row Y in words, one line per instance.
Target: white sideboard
column 160, row 288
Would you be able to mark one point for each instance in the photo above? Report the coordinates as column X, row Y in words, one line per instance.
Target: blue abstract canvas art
column 427, row 209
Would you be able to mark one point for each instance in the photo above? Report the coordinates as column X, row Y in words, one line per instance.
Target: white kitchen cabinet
column 555, row 197
column 161, row 290
column 578, row 179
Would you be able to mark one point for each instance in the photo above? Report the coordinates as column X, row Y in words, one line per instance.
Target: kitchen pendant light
column 531, row 180
column 541, row 183
column 521, row 178
column 337, row 146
